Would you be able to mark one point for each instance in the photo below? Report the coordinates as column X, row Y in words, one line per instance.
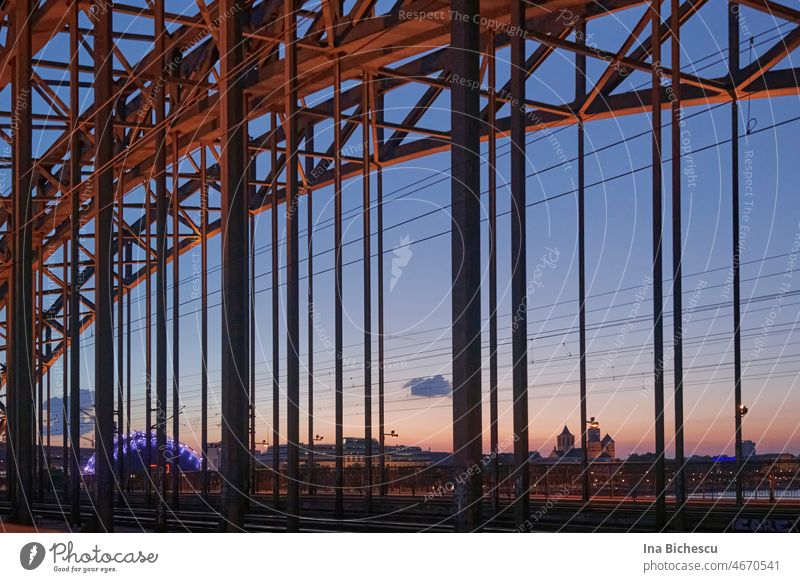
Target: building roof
column 573, row 455
column 565, row 431
column 607, row 439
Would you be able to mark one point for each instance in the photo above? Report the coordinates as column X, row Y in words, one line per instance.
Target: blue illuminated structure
column 723, row 459
column 135, row 450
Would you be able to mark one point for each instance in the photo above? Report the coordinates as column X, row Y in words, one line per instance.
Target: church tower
column 565, row 441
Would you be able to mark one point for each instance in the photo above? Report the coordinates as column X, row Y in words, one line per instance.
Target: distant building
column 748, row 449
column 609, row 446
column 565, row 442
column 598, row 449
column 354, row 449
column 593, row 431
column 214, row 456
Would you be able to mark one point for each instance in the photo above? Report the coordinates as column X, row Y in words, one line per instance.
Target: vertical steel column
column 204, row 316
column 276, row 351
column 75, row 272
column 519, row 299
column 580, row 94
column 337, row 300
column 65, row 466
column 733, row 70
column 658, row 302
column 465, row 241
column 49, row 354
column 292, row 270
column 249, row 177
column 252, row 313
column 310, row 301
column 103, row 266
column 120, row 347
column 378, row 113
column 128, row 388
column 161, row 272
column 235, row 266
column 148, row 343
column 176, row 344
column 38, row 331
column 494, row 428
column 367, row 274
column 677, row 260
column 20, row 347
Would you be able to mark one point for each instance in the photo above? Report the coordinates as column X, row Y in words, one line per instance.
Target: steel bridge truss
column 151, row 154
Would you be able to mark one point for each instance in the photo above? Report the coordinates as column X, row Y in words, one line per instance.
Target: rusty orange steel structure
column 143, row 132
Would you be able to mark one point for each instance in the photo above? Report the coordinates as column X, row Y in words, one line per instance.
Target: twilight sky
column 618, row 238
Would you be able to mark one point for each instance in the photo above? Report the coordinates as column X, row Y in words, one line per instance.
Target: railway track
column 404, row 515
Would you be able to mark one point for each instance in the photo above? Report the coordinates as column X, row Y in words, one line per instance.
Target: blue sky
column 619, row 308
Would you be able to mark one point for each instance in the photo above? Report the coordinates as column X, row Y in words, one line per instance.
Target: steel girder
column 396, row 50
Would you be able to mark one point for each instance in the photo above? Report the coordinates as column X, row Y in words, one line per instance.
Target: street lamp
column 310, row 463
column 382, row 456
column 741, row 411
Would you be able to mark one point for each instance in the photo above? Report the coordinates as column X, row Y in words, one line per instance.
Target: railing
column 763, row 481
